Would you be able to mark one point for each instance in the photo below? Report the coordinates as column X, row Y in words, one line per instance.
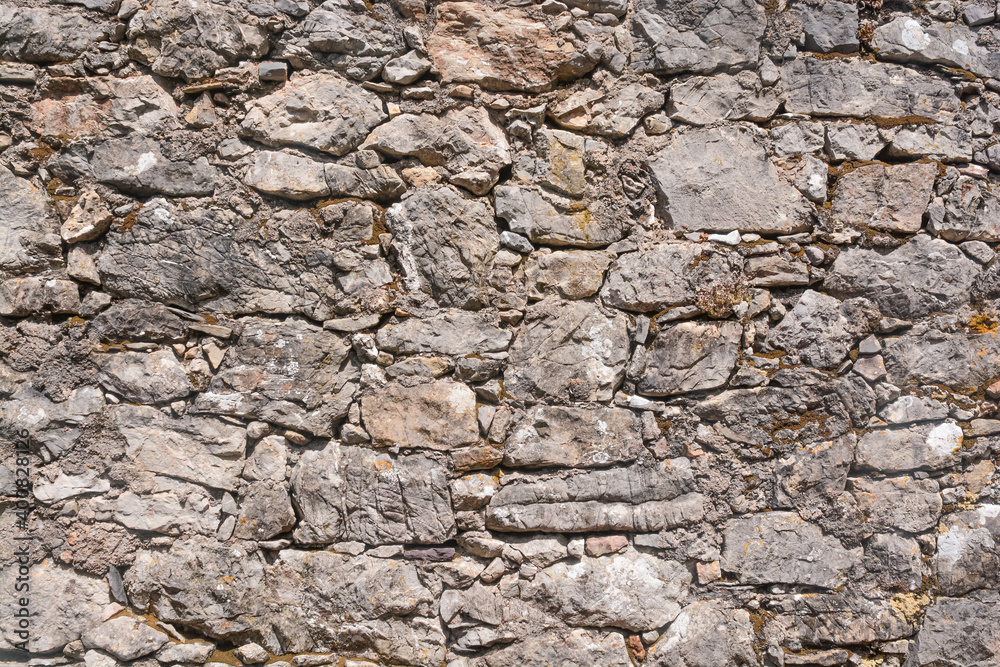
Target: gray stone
column 704, row 100
column 948, row 143
column 888, row 198
column 702, row 189
column 853, row 141
column 922, row 276
column 193, row 652
column 521, row 54
column 696, row 36
column 67, row 486
column 633, row 499
column 48, row 35
column 817, row 329
column 285, row 175
column 567, row 351
column 968, row 556
column 859, row 88
column 378, row 183
column 265, row 511
column 145, row 378
column 196, row 449
column 705, row 634
column 964, row 361
column 173, row 508
column 574, row 437
column 578, row 646
column 779, row 547
column 321, row 111
column 960, row 631
column 814, row 473
column 34, row 294
column 297, row 383
column 137, row 165
column 357, row 494
column 88, row 219
column 951, row 44
column 192, row 39
column 272, row 71
column 549, row 219
column 897, row 503
column 64, row 605
column 608, row 113
column 405, row 69
column 451, row 332
column 30, row 228
column 906, row 409
column 968, row 211
column 251, row 653
column 445, row 243
column 828, row 27
column 591, row 592
column 690, row 356
column 798, row 138
column 932, row 446
column 464, row 142
column 574, row 274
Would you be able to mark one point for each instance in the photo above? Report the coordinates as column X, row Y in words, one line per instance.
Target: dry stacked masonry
column 479, row 334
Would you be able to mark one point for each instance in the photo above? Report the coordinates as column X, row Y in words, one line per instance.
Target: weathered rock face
column 701, row 190
column 485, row 334
column 500, row 50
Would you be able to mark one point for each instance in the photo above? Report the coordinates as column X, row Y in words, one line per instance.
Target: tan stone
column 438, row 415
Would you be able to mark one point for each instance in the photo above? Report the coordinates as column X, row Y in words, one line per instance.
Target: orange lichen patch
column 984, row 323
column 128, row 222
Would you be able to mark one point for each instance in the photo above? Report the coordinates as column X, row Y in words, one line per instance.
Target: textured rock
column 953, row 44
column 500, row 50
column 30, row 240
column 138, row 165
column 612, row 113
column 574, row 274
column 192, row 39
column 779, row 547
column 145, row 378
column 705, row 634
column 703, row 190
column 321, row 111
column 48, row 35
column 958, row 630
column 899, row 503
column 931, row 446
column 704, row 100
column 887, row 198
column 967, row 212
column 818, row 329
column 590, row 593
column 439, row 415
column 445, row 243
column 552, row 220
column 666, row 275
column 285, row 175
column 567, row 350
column 451, row 332
column 858, row 88
column 690, row 357
column 696, row 36
column 895, row 283
column 967, row 553
column 574, row 437
column 827, row 26
column 125, row 638
column 964, row 361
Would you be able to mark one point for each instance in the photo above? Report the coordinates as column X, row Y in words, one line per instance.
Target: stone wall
column 500, row 334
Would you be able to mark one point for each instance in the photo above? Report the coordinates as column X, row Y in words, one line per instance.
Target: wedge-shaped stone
column 690, row 356
column 465, row 142
column 634, row 499
column 574, row 437
column 667, row 274
column 438, row 415
column 451, row 332
column 633, row 591
column 928, row 446
column 445, row 244
column 703, row 188
column 290, row 372
column 29, row 240
column 609, row 113
column 860, row 88
column 779, row 547
column 952, row 44
column 922, row 276
column 321, row 111
column 968, row 550
column 192, row 39
column 196, row 449
column 567, row 351
column 696, row 35
column 500, row 50
column 355, row 493
column 890, row 198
